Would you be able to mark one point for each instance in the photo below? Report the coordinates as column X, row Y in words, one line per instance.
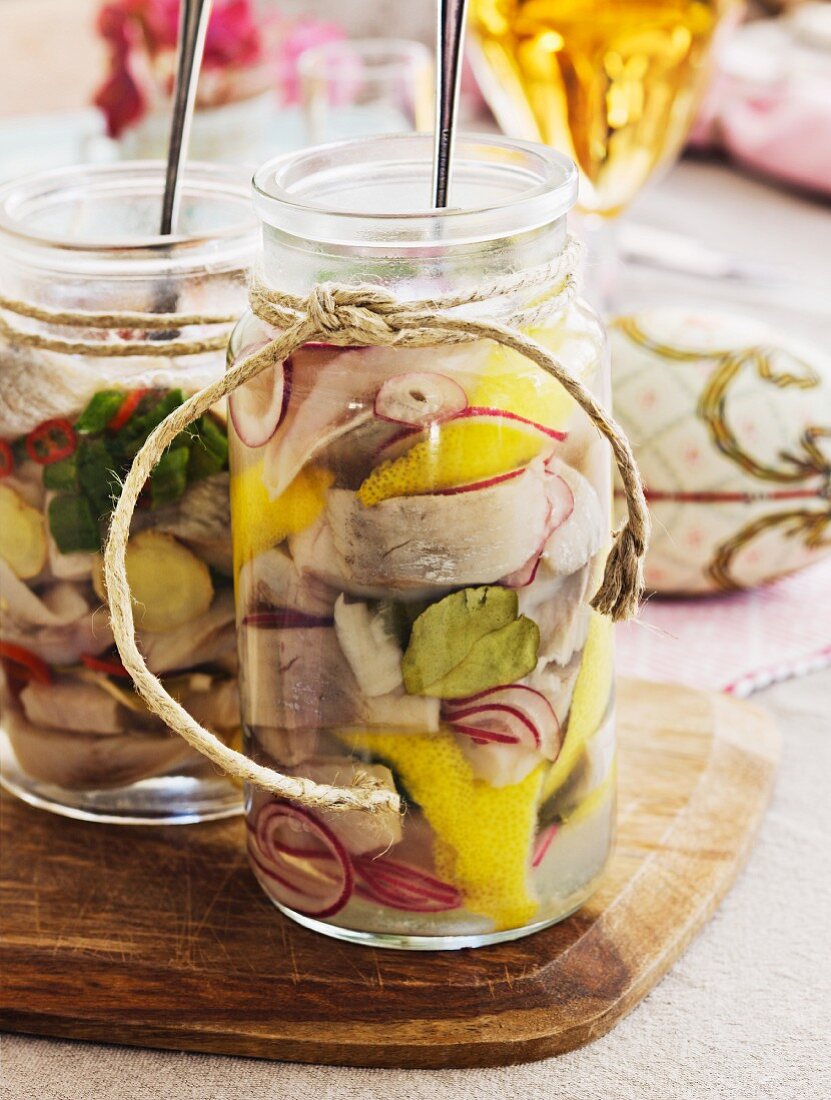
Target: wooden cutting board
column 160, row 937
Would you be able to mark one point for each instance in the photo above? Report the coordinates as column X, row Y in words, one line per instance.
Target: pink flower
column 299, row 37
column 233, row 41
column 120, row 99
column 233, row 36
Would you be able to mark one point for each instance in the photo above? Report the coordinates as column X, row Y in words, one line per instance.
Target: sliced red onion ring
column 402, row 886
column 285, row 618
column 487, row 483
column 515, row 710
column 418, row 398
column 486, row 412
column 561, row 505
column 259, row 406
column 316, row 885
column 543, row 843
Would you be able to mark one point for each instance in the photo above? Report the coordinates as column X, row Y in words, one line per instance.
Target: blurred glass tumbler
column 367, row 86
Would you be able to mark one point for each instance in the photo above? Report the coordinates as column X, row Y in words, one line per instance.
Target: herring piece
column 200, row 518
column 462, row 538
column 73, row 705
column 217, row 706
column 41, row 385
column 93, row 761
column 207, row 639
column 285, row 748
column 273, row 580
column 399, row 711
column 27, row 482
column 315, row 555
column 556, row 683
column 58, row 624
column 374, row 655
column 576, row 540
column 296, row 677
column 332, row 391
column 559, row 607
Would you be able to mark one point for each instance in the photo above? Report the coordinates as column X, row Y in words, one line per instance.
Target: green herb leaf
column 73, row 524
column 209, row 451
column 170, row 476
column 62, row 475
column 502, row 657
column 140, row 425
column 99, row 412
column 467, row 642
column 97, row 475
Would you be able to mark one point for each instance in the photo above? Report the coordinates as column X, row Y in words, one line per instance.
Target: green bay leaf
column 445, row 632
column 501, row 657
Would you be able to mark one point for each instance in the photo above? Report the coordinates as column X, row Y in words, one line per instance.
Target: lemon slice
column 590, row 700
column 461, row 452
column 484, row 834
column 258, row 522
column 510, row 381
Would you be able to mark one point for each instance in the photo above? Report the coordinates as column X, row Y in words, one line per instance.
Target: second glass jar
column 417, row 537
column 76, row 738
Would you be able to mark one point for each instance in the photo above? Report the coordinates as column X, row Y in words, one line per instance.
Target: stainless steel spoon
column 193, row 26
column 449, row 39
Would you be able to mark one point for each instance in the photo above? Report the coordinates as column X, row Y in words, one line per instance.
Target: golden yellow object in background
column 612, row 83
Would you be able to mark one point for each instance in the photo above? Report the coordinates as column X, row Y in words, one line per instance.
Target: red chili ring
column 43, row 447
column 126, row 409
column 6, row 459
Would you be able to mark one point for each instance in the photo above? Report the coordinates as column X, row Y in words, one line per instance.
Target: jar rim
column 532, row 185
column 24, row 195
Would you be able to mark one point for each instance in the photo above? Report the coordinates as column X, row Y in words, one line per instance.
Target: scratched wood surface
column 160, row 937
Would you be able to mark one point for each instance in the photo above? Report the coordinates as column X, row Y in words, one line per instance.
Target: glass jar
column 76, row 739
column 418, row 533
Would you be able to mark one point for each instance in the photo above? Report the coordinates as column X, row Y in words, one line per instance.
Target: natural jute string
column 113, row 322
column 367, row 316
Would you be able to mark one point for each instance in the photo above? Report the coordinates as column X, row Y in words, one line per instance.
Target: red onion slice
column 419, row 398
column 285, row 618
column 473, row 486
column 496, row 722
column 315, row 885
column 522, row 710
column 486, row 412
column 543, row 843
column 560, row 508
column 259, row 406
column 402, row 886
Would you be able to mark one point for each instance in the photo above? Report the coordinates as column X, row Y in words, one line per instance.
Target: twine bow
column 363, row 316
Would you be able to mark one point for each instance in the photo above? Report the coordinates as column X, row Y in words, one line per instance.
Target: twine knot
column 352, row 314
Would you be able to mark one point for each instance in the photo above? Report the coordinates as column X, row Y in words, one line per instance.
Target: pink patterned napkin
column 740, row 642
column 769, row 102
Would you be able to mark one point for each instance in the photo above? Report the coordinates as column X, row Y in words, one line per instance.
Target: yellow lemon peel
column 510, row 382
column 457, row 453
column 258, row 522
column 589, row 702
column 484, row 834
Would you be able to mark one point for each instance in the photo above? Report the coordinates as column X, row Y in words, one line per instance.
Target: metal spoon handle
column 449, row 38
column 193, row 26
